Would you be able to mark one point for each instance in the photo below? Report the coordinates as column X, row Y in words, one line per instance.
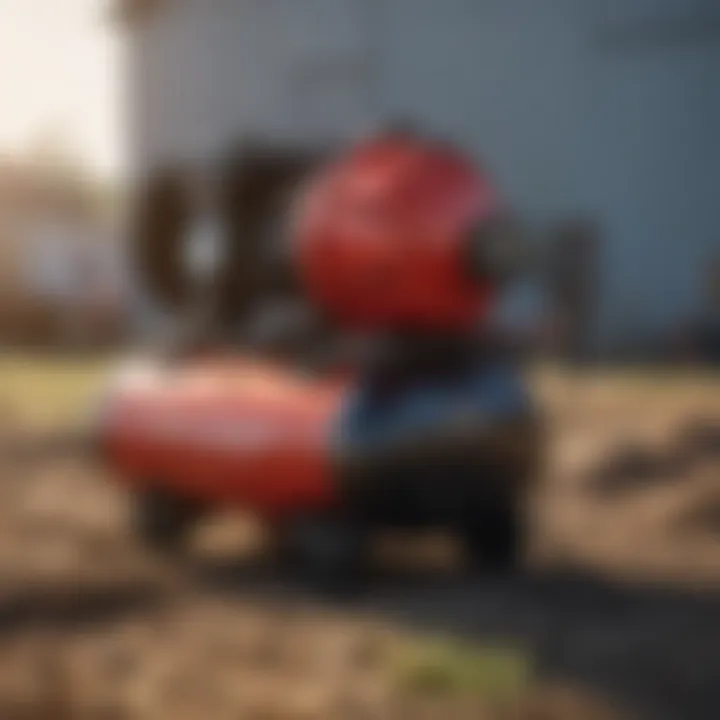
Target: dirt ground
column 620, row 606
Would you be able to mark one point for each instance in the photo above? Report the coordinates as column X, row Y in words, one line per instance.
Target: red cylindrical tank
column 241, row 433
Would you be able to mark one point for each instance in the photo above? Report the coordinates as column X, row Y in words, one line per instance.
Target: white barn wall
column 658, row 167
column 575, row 125
column 504, row 78
column 574, row 112
column 208, row 72
column 302, row 68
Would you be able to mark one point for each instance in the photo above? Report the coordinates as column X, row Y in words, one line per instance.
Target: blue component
column 493, row 392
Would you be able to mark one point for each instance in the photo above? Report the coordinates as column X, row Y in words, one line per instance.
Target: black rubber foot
column 495, row 537
column 163, row 521
column 325, row 554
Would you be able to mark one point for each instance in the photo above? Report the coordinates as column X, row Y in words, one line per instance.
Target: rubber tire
column 163, row 521
column 325, row 554
column 494, row 538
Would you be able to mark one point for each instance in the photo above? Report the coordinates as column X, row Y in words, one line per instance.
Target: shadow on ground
column 635, row 465
column 654, row 651
column 651, row 650
column 64, row 607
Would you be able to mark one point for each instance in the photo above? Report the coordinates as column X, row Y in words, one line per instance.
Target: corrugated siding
column 210, row 72
column 580, row 108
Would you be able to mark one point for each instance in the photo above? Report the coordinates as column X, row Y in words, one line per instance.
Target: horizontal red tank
column 233, row 432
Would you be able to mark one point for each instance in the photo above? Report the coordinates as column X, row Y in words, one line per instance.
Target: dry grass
column 38, row 390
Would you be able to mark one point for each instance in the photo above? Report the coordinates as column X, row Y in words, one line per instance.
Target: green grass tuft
column 445, row 667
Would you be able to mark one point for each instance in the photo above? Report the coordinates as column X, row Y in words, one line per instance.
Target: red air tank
column 384, row 234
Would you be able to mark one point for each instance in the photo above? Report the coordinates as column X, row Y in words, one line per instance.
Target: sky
column 60, row 75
